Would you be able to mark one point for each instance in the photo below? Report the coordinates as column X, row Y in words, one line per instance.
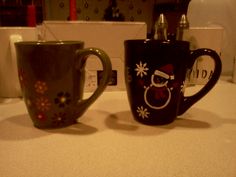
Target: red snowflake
column 43, row 104
column 40, row 87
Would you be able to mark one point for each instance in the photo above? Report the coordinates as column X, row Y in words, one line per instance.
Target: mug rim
column 44, row 43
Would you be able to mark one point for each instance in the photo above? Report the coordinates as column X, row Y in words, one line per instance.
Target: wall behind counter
column 133, row 10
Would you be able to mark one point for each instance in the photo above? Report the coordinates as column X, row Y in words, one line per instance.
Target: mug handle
column 82, row 56
column 188, row 101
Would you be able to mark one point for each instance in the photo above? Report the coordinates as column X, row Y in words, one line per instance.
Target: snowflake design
column 141, row 69
column 63, row 99
column 41, row 116
column 142, row 112
column 40, row 87
column 43, row 104
column 59, row 119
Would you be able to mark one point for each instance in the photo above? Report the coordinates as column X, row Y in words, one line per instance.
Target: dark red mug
column 155, row 73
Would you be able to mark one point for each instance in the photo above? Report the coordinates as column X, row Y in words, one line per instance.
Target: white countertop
column 109, row 143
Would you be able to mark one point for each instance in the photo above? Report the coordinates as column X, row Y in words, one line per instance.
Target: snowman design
column 158, row 94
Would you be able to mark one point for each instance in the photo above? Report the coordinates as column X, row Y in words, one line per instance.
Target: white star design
column 141, row 69
column 142, row 112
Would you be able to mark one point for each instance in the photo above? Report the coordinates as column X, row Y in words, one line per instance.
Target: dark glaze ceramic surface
column 52, row 76
column 155, row 73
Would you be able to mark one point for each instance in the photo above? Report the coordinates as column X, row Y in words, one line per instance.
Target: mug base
column 154, row 122
column 55, row 126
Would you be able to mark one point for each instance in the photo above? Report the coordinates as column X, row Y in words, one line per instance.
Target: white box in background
column 109, row 36
column 9, row 82
column 203, row 37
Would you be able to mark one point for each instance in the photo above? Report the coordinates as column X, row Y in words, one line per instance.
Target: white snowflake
column 141, row 69
column 142, row 112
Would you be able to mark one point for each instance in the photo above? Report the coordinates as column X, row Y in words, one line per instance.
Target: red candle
column 73, row 14
column 31, row 15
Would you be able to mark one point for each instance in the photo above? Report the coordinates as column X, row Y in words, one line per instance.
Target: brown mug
column 52, row 76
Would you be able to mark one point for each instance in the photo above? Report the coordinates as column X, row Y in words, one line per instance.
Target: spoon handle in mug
column 188, row 101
